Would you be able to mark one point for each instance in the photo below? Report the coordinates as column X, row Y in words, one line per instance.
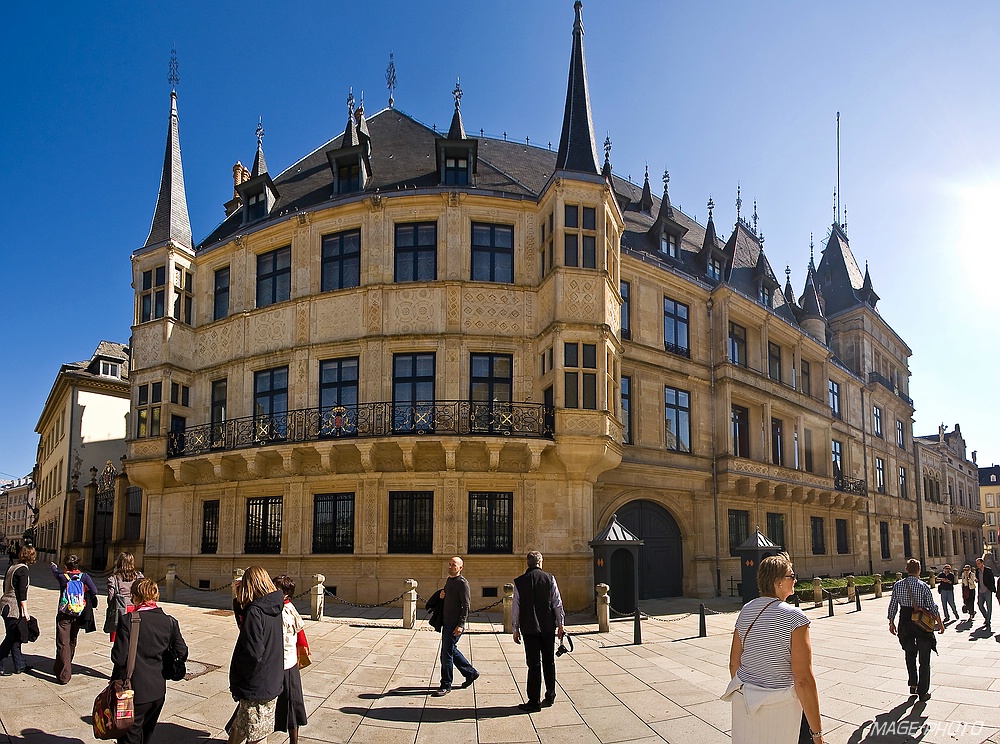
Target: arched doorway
column 661, row 563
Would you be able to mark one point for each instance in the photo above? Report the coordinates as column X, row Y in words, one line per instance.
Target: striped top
column 767, row 652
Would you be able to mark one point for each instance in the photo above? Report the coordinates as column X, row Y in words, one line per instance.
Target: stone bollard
column 410, row 603
column 508, row 608
column 237, row 578
column 850, row 589
column 818, row 591
column 316, row 597
column 899, row 576
column 932, row 581
column 603, row 609
column 878, row 586
column 171, row 580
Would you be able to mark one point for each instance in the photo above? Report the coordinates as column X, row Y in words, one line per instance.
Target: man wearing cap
column 946, row 586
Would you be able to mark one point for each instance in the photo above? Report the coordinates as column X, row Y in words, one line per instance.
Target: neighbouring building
column 989, row 494
column 951, row 514
column 410, row 344
column 17, row 497
column 81, row 430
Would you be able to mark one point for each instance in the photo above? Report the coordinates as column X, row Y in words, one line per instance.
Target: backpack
column 72, row 601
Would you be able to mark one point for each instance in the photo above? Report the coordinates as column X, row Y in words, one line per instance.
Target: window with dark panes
column 843, row 546
column 675, row 327
column 900, row 436
column 668, row 244
column 902, row 484
column 492, row 253
column 221, row 294
column 348, row 178
column 338, row 397
column 741, row 431
column 491, row 523
column 210, row 526
column 626, row 324
column 835, row 398
column 737, row 344
column 274, row 276
column 180, row 394
column 183, row 295
column 456, row 170
column 880, row 475
column 677, row 411
column 877, row 421
column 907, row 544
column 416, row 252
column 152, row 297
column 270, row 403
column 776, row 528
column 413, row 392
column 218, row 414
column 774, row 361
column 837, row 453
column 818, row 536
column 333, row 523
column 714, row 268
column 148, row 410
column 739, row 529
column 411, row 521
column 491, row 383
column 805, row 378
column 263, row 529
column 883, row 536
column 133, row 513
column 777, row 442
column 78, row 518
column 580, row 247
column 256, row 206
column 580, row 386
column 341, row 261
column 626, row 393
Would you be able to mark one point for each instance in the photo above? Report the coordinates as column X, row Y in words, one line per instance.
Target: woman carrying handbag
column 120, row 592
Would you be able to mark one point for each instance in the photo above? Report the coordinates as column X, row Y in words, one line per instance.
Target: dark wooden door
column 661, row 565
column 622, row 572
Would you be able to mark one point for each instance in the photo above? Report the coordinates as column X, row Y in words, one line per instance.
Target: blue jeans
column 985, row 601
column 11, row 644
column 451, row 657
column 948, row 598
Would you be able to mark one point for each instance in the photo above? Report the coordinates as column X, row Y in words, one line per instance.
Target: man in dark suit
column 987, row 586
column 537, row 616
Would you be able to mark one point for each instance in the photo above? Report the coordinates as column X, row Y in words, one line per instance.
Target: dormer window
column 668, row 244
column 765, row 295
column 456, row 170
column 256, row 207
column 348, row 178
column 714, row 268
column 110, row 369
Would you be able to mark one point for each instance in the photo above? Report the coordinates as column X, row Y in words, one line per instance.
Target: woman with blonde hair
column 120, row 591
column 257, row 670
column 771, row 664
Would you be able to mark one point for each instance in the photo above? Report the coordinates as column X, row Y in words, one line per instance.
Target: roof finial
column 457, row 93
column 812, row 264
column 739, row 201
column 788, row 273
column 845, row 218
column 260, row 131
column 836, row 219
column 711, row 208
column 173, row 78
column 350, row 102
column 666, row 179
column 754, row 216
column 390, row 78
column 607, row 147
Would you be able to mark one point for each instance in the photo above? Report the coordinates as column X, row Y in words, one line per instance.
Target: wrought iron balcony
column 438, row 418
column 889, row 385
column 683, row 351
column 850, row 485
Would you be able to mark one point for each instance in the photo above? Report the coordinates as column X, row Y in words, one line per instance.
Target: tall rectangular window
column 274, row 276
column 341, row 261
column 133, row 513
column 210, row 526
column 777, row 442
column 148, row 410
column 776, row 528
column 416, row 252
column 807, row 447
column 677, row 410
column 221, row 294
column 491, row 383
column 843, row 547
column 491, row 523
column 900, row 436
column 580, row 386
column 183, row 295
column 883, row 536
column 737, row 344
column 741, row 431
column 152, row 296
column 580, row 245
column 907, row 545
column 180, row 394
column 902, row 484
column 333, row 523
column 413, row 392
column 263, row 529
column 837, row 452
column 338, row 397
column 492, row 253
column 818, row 536
column 270, row 406
column 626, row 393
column 835, row 399
column 218, row 414
column 739, row 529
column 877, row 422
column 626, row 292
column 774, row 361
column 411, row 521
column 675, row 327
column 880, row 474
column 805, row 378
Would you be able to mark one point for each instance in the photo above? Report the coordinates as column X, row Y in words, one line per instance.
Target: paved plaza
column 370, row 680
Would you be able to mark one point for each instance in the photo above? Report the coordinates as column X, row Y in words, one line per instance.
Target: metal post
column 410, row 603
column 508, row 608
column 830, row 608
column 316, row 598
column 168, row 590
column 857, row 600
column 702, row 630
column 603, row 609
column 637, row 629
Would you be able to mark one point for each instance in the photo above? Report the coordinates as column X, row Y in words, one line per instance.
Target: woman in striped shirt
column 771, row 664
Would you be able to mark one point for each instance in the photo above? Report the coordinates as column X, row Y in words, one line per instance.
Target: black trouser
column 539, row 655
column 146, row 716
column 917, row 647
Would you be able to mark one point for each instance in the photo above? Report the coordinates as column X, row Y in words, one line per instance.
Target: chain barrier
column 487, row 607
column 709, row 611
column 388, row 602
column 200, row 589
column 586, row 608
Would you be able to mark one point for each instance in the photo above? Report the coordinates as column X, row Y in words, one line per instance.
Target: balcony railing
column 438, row 418
column 850, row 485
column 889, row 385
column 964, row 512
column 684, row 351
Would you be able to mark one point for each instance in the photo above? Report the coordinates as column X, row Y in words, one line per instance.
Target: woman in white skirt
column 771, row 664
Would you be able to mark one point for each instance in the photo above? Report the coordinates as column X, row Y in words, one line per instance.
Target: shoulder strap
column 133, row 645
column 747, row 634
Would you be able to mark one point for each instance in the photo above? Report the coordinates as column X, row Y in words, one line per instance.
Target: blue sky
column 720, row 94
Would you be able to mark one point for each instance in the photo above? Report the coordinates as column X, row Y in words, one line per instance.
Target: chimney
column 240, row 175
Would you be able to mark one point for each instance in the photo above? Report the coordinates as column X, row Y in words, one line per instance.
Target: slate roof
column 577, row 146
column 838, row 275
column 985, row 473
column 614, row 534
column 170, row 218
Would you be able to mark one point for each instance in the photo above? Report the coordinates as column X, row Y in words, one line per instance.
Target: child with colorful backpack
column 77, row 600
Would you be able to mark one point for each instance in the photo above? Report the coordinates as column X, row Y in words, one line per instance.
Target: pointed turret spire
column 606, row 170
column 259, row 164
column 666, row 209
column 350, row 131
column 646, row 202
column 577, row 146
column 710, row 237
column 457, row 129
column 170, row 218
column 811, row 305
column 789, row 293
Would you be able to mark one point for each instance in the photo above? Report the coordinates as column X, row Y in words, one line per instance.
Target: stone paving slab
column 370, row 680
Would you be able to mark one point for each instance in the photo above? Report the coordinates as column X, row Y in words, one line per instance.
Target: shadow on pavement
column 439, row 715
column 892, row 727
column 37, row 736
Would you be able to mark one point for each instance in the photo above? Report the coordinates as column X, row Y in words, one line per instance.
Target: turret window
column 148, row 410
column 492, row 253
column 416, row 252
column 153, row 294
column 341, row 260
column 575, row 379
column 580, row 248
column 183, row 295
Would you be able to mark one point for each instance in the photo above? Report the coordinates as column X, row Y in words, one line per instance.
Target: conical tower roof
column 577, row 146
column 170, row 218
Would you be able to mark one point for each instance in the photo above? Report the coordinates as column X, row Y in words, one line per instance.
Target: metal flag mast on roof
column 837, row 192
column 390, row 78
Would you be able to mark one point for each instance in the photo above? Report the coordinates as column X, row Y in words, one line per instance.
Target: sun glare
column 972, row 245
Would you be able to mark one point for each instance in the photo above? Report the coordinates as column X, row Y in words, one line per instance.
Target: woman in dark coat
column 257, row 672
column 158, row 634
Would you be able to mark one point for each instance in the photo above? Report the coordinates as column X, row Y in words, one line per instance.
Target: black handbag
column 174, row 669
